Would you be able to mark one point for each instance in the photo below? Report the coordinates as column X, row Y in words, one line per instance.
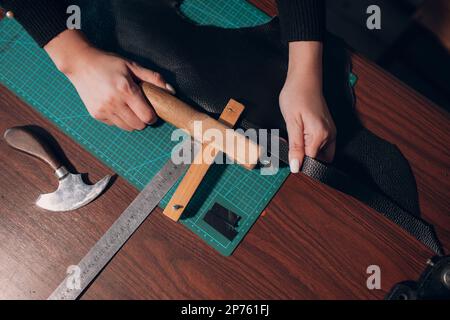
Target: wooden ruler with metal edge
column 200, row 166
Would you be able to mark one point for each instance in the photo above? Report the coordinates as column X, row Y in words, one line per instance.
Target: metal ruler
column 116, row 236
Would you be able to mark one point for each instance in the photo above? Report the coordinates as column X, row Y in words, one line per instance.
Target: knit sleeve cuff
column 43, row 19
column 302, row 20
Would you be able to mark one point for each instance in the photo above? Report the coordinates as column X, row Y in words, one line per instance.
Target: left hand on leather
column 310, row 127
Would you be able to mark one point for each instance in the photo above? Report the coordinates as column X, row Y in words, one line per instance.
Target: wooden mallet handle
column 182, row 116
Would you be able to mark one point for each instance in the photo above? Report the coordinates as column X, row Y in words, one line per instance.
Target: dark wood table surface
column 313, row 243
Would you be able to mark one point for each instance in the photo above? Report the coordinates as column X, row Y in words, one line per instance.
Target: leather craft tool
column 184, row 117
column 122, row 229
column 181, row 115
column 72, row 192
column 200, row 166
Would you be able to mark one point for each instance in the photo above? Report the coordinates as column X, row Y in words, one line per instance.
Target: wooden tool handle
column 198, row 169
column 25, row 141
column 182, row 116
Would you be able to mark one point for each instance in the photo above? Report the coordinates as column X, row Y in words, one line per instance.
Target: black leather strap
column 370, row 196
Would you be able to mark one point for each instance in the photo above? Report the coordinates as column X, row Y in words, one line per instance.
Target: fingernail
column 170, row 88
column 294, row 164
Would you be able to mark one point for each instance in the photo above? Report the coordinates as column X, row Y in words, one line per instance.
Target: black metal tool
column 433, row 284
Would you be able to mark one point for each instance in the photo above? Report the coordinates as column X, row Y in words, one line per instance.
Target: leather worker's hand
column 310, row 127
column 108, row 85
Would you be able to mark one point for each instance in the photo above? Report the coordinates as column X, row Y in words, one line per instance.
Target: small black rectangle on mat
column 223, row 220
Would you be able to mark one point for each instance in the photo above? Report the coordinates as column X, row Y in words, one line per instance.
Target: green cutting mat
column 137, row 156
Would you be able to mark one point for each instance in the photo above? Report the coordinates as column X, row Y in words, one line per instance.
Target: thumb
column 150, row 76
column 296, row 144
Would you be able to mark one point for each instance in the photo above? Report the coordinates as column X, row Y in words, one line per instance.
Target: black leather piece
column 210, row 65
column 223, row 220
column 226, row 215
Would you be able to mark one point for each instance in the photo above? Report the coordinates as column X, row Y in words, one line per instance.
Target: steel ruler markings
column 116, row 236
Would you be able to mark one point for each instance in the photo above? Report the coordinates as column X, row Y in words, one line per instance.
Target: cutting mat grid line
column 26, row 70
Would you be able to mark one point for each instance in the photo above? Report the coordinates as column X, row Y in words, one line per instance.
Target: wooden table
column 313, row 243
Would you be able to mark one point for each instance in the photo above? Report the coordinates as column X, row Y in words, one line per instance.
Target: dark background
column 413, row 43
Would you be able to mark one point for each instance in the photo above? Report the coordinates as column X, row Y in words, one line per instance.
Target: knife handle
column 24, row 140
column 183, row 116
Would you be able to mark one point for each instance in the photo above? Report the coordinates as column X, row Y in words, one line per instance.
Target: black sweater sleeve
column 43, row 19
column 302, row 20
